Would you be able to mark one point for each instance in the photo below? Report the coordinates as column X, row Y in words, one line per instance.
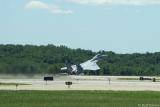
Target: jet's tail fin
column 68, row 67
column 98, row 57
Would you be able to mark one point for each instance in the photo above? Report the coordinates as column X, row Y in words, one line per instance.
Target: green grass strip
column 79, row 99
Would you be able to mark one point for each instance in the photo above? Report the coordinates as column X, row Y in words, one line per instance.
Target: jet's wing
column 64, row 68
column 73, row 68
column 88, row 65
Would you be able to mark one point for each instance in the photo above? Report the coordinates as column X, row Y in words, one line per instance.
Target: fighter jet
column 87, row 65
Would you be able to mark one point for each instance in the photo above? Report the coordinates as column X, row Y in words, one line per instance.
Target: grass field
column 79, row 99
column 13, row 84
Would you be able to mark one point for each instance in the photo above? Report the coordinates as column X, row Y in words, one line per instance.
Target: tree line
column 32, row 59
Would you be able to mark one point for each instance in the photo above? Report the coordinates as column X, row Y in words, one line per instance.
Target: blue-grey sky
column 123, row 26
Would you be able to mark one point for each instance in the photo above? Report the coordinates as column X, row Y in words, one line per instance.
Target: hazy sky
column 122, row 26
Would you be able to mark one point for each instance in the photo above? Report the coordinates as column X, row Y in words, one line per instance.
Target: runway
column 81, row 83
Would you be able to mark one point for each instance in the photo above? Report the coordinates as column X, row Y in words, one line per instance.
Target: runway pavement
column 81, row 83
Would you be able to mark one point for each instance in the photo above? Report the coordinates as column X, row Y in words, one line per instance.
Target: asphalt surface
column 80, row 83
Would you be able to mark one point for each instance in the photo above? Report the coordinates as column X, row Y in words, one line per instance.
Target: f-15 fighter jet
column 87, row 65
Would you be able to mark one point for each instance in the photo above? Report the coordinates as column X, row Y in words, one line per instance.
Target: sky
column 122, row 26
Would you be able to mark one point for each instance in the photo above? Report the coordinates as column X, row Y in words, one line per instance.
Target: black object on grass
column 48, row 78
column 68, row 83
